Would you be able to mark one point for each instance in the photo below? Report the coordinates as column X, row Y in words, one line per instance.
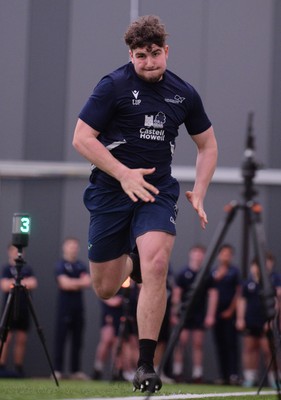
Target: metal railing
column 42, row 169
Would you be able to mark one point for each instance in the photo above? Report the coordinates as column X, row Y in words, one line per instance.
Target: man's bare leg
column 154, row 249
column 107, row 277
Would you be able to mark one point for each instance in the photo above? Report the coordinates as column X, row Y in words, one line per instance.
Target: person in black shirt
column 252, row 322
column 20, row 322
column 228, row 283
column 72, row 278
column 201, row 317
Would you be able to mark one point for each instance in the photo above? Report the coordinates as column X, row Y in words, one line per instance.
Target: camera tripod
column 12, row 310
column 252, row 226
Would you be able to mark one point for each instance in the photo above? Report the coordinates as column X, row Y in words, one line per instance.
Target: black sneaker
column 146, row 379
column 136, row 273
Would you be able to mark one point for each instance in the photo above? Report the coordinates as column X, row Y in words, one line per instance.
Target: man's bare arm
column 205, row 167
column 132, row 180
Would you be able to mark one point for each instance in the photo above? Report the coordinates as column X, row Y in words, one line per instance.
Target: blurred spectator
column 118, row 343
column 228, row 282
column 127, row 344
column 252, row 321
column 275, row 278
column 201, row 317
column 72, row 278
column 19, row 323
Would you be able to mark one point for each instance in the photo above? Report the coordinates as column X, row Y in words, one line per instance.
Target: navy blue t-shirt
column 138, row 121
column 227, row 287
column 70, row 300
column 9, row 272
column 185, row 279
column 254, row 315
column 275, row 279
column 252, row 291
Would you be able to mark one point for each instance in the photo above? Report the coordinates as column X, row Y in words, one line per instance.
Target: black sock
column 147, row 349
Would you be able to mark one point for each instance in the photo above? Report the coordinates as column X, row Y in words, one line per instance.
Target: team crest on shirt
column 153, row 127
column 135, row 100
column 156, row 121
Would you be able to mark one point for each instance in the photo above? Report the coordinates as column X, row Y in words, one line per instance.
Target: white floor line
column 184, row 396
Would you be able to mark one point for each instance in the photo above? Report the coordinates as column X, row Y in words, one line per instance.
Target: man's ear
column 166, row 48
column 131, row 56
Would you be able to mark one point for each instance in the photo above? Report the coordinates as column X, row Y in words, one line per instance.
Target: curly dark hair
column 145, row 31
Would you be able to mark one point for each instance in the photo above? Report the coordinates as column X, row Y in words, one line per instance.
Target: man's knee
column 107, row 277
column 104, row 291
column 157, row 268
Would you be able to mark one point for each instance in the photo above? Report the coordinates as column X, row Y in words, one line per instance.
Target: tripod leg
column 268, row 294
column 245, row 242
column 39, row 331
column 200, row 279
column 260, row 252
column 4, row 324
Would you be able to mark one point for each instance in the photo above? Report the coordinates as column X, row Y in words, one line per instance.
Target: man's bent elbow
column 76, row 143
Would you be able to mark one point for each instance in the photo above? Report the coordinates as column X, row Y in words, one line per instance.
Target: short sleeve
column 197, row 120
column 100, row 107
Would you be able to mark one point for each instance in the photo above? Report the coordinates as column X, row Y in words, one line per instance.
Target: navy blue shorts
column 194, row 324
column 22, row 323
column 257, row 332
column 116, row 221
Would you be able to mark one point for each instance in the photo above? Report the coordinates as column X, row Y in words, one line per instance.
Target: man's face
column 150, row 62
column 70, row 250
column 196, row 258
column 225, row 256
